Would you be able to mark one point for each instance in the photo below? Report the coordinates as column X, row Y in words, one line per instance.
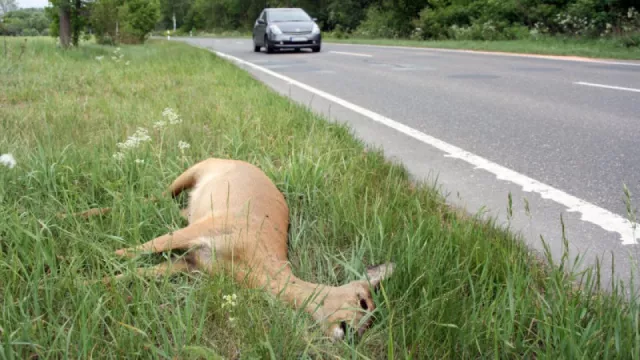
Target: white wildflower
column 159, row 124
column 141, row 135
column 127, row 63
column 229, row 300
column 139, row 161
column 183, row 145
column 8, row 160
column 171, row 116
column 118, row 156
column 99, row 58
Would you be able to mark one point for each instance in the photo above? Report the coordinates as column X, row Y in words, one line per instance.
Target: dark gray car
column 286, row 28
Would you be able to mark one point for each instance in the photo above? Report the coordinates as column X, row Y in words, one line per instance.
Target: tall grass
column 463, row 287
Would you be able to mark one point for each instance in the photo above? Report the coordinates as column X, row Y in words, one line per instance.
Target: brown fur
column 238, row 221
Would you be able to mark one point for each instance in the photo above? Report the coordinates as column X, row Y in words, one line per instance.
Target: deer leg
column 182, row 239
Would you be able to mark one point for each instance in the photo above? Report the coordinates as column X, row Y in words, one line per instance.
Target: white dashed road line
column 607, row 86
column 350, row 53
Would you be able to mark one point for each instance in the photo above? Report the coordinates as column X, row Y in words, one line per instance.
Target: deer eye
column 363, row 304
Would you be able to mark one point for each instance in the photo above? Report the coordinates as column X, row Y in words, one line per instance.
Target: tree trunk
column 174, row 21
column 76, row 23
column 65, row 26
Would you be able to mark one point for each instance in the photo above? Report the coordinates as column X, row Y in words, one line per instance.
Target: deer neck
column 282, row 283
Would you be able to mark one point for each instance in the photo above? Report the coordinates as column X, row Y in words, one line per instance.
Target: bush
column 140, row 17
column 30, row 32
column 587, row 18
column 339, row 33
column 630, row 40
column 488, row 31
column 129, row 23
column 378, row 24
column 439, row 23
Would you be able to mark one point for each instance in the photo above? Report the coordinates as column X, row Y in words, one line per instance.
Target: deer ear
column 378, row 273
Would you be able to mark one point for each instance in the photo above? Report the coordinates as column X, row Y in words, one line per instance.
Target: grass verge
column 604, row 49
column 463, row 288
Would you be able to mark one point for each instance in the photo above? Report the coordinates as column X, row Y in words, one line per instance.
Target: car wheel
column 256, row 48
column 315, row 49
column 268, row 48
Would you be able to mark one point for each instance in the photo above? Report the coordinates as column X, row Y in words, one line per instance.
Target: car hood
column 295, row 26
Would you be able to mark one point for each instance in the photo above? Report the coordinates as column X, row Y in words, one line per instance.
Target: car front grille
column 297, row 32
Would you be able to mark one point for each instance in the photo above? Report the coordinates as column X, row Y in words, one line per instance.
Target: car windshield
column 288, row 15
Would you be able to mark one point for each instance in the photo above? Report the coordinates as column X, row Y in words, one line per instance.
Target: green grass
column 605, row 48
column 463, row 288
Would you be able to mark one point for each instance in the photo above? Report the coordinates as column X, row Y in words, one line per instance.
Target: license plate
column 298, row 39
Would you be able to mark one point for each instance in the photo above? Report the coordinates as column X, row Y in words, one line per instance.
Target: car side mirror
column 261, row 22
column 314, row 19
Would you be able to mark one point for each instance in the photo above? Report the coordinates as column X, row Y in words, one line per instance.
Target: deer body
column 238, row 222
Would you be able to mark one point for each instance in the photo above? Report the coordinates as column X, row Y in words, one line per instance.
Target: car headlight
column 316, row 29
column 275, row 30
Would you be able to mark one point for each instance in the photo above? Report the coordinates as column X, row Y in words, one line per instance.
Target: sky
column 32, row 3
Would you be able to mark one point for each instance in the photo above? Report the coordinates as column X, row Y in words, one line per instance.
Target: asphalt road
column 572, row 126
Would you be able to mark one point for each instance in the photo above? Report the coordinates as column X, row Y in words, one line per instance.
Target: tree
column 25, row 22
column 105, row 20
column 174, row 12
column 7, row 6
column 68, row 17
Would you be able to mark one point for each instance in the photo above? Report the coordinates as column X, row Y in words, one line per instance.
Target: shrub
column 128, row 23
column 437, row 23
column 378, row 23
column 338, row 32
column 140, row 17
column 30, row 32
column 630, row 40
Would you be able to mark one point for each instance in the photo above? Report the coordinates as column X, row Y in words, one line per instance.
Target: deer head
column 350, row 306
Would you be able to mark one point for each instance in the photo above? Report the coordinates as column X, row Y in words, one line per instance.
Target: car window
column 288, row 15
column 263, row 16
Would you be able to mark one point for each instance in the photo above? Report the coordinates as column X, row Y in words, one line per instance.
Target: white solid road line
column 589, row 212
column 495, row 53
column 607, row 86
column 350, row 53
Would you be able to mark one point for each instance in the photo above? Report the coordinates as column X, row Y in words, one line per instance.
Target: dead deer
column 238, row 222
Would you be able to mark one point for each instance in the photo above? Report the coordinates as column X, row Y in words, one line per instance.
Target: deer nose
column 343, row 326
column 347, row 330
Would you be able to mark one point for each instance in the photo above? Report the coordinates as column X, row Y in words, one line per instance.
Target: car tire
column 316, row 49
column 267, row 48
column 256, row 48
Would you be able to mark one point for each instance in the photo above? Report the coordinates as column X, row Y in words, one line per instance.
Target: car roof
column 283, row 9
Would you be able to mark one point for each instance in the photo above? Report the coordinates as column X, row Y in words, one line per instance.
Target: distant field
column 462, row 288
